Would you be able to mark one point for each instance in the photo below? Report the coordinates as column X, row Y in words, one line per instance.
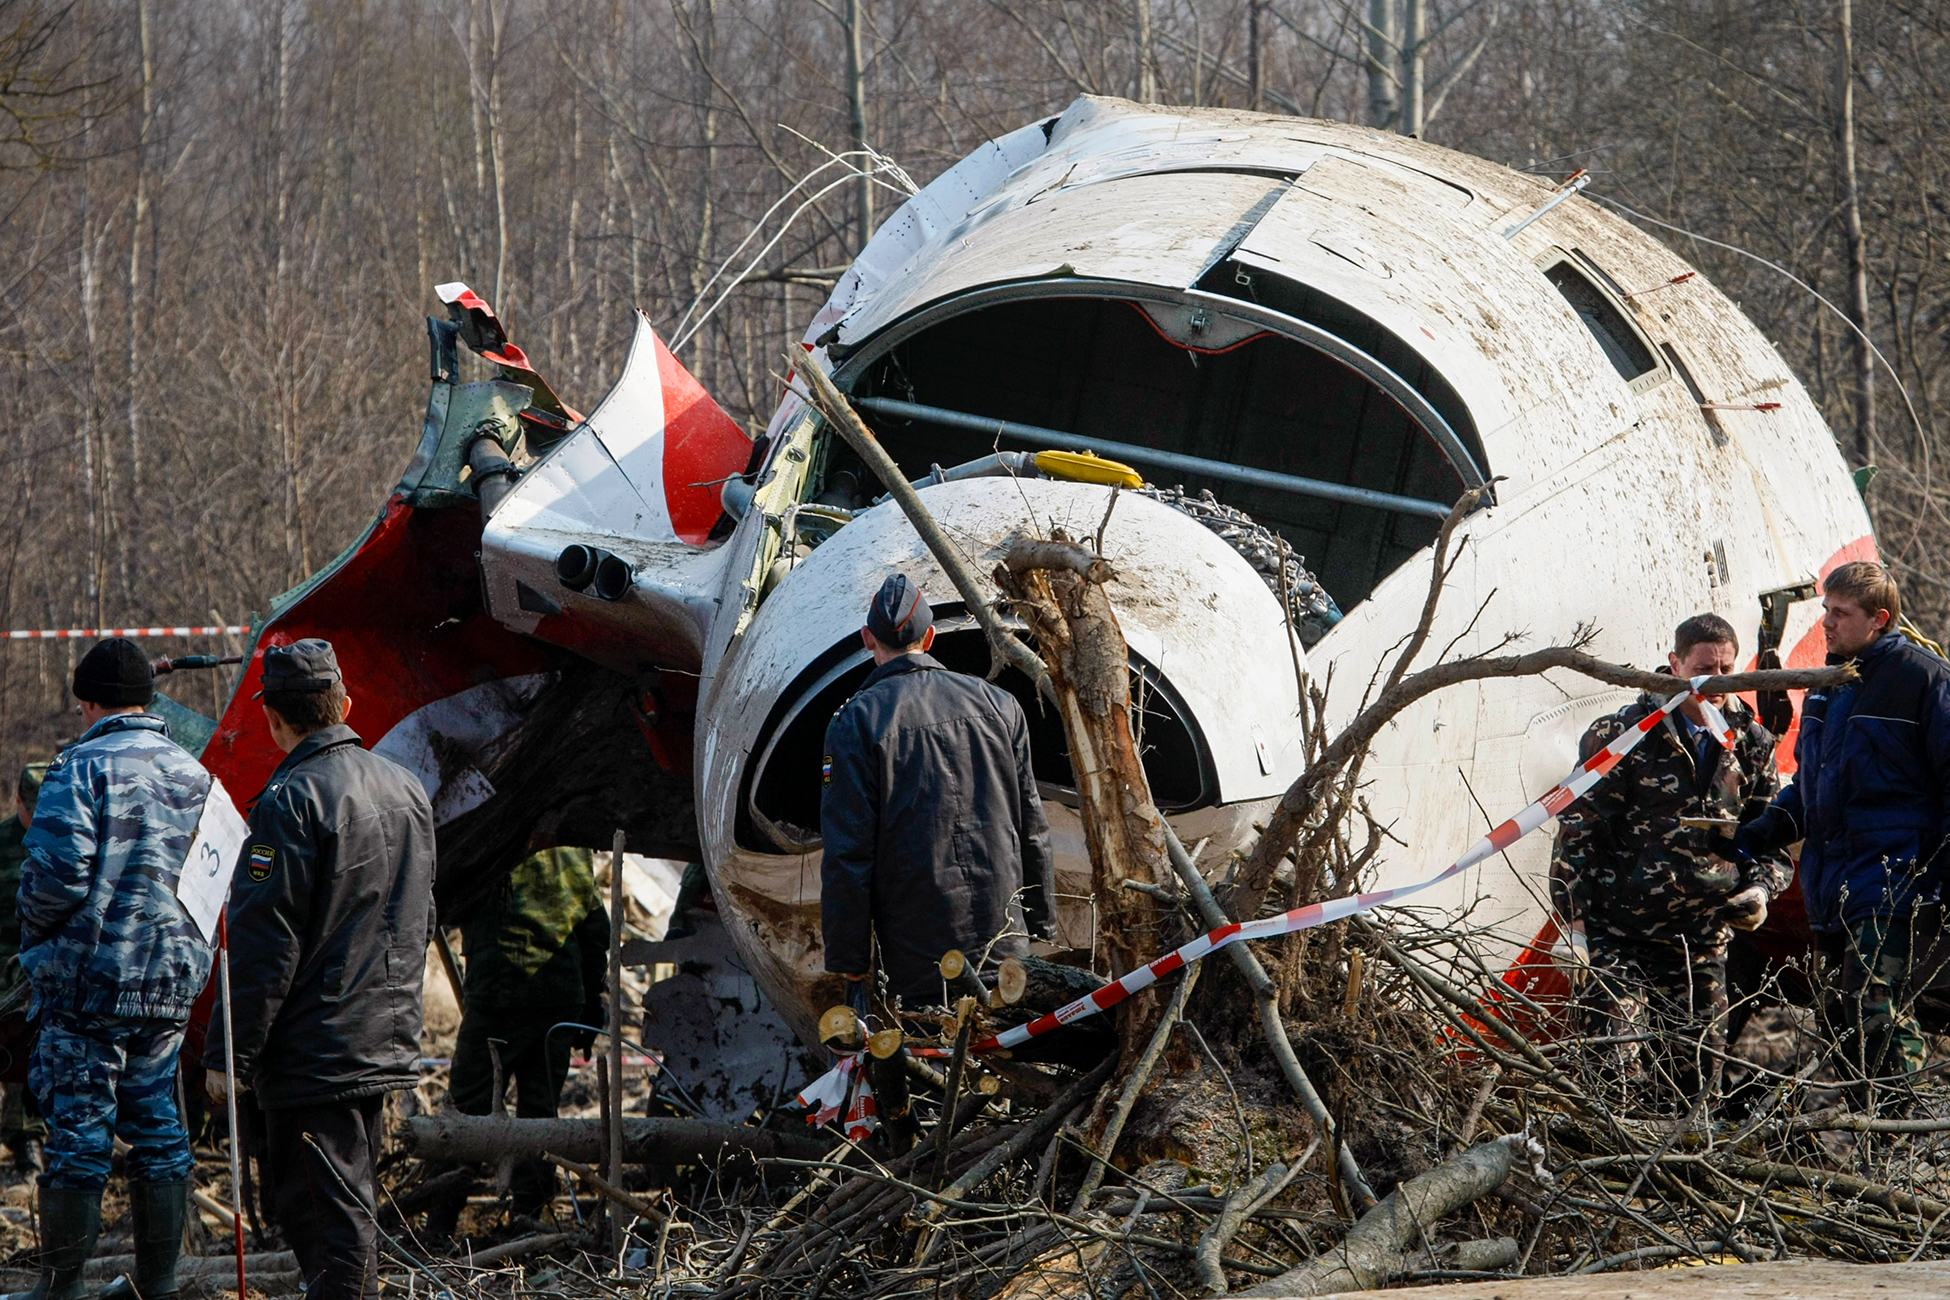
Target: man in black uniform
column 329, row 916
column 934, row 833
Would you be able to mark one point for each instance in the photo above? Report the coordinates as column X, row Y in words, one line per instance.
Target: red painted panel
column 702, row 447
column 405, row 615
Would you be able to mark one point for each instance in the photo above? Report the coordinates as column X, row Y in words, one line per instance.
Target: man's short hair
column 28, row 788
column 1703, row 629
column 1868, row 585
column 308, row 711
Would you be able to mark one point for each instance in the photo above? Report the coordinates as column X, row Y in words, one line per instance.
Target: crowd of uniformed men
column 935, row 838
column 329, row 915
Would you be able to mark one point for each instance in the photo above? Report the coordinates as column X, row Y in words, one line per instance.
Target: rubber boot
column 70, row 1222
column 157, row 1210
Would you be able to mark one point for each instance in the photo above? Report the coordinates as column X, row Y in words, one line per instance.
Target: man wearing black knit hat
column 115, row 965
column 934, row 833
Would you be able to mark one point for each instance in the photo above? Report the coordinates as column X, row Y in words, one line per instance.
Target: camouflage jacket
column 540, row 941
column 13, row 856
column 1625, row 866
column 101, row 930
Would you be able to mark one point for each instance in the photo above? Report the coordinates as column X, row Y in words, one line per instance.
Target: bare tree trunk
column 497, row 150
column 297, row 544
column 856, row 96
column 1414, row 32
column 1858, row 271
column 1384, row 50
column 1255, row 99
column 133, row 398
column 707, row 37
column 1089, row 665
column 1147, row 66
column 575, row 220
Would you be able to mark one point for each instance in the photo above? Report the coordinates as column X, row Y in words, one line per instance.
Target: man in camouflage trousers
column 115, row 964
column 1655, row 900
column 537, row 954
column 20, row 1120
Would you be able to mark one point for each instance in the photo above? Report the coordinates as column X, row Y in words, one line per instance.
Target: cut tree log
column 958, row 972
column 1089, row 667
column 1039, row 985
column 451, row 1135
column 1373, row 1248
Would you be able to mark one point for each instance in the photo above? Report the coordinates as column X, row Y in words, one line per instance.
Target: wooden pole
column 230, row 1099
column 1858, row 273
column 614, row 1171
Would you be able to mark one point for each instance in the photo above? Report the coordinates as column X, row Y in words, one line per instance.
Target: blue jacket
column 1871, row 798
column 100, row 927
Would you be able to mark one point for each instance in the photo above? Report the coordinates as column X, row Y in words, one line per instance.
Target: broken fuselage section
column 1323, row 337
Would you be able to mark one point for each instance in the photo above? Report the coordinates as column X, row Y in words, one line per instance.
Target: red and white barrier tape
column 83, row 633
column 827, row 1094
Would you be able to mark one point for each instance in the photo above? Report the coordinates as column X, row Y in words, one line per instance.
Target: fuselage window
column 1627, row 352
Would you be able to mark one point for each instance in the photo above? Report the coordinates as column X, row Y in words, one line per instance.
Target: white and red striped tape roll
column 1586, row 774
column 83, row 633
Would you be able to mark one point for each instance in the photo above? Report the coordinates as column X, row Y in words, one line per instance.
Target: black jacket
column 329, row 916
column 934, row 833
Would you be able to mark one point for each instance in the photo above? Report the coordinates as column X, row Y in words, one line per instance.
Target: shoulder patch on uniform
column 826, row 771
column 263, row 857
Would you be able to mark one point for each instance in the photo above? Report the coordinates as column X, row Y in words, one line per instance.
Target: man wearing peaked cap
column 934, row 833
column 115, row 965
column 330, row 911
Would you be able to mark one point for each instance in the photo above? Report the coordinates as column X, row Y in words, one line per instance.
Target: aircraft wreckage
column 1301, row 329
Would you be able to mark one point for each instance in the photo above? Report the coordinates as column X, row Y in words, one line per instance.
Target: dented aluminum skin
column 1620, row 506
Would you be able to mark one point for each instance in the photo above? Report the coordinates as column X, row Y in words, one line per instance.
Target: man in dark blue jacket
column 934, row 833
column 1871, row 803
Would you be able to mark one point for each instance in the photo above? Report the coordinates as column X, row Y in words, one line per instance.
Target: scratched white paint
column 437, row 742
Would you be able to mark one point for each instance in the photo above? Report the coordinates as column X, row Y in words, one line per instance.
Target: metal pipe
column 617, row 914
column 1266, row 478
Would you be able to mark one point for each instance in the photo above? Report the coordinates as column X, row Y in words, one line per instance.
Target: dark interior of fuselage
column 1103, row 370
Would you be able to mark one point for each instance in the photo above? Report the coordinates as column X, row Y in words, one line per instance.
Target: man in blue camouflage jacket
column 115, row 964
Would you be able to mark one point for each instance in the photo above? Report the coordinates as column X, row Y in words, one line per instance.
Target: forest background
column 221, row 222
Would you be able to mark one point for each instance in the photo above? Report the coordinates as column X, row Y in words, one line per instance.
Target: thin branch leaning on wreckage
column 1006, row 649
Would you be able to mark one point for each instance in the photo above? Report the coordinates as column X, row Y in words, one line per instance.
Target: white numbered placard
column 204, row 885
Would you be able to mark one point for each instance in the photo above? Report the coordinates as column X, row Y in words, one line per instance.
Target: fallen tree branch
column 602, row 1186
column 1140, row 1075
column 451, row 1135
column 1032, row 1132
column 524, row 1246
column 1373, row 1248
column 1267, row 994
column 1840, row 1121
column 1238, row 1208
column 1086, row 564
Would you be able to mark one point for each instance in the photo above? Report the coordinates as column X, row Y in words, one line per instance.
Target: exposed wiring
column 752, row 234
column 663, row 1072
column 876, row 164
column 1810, row 289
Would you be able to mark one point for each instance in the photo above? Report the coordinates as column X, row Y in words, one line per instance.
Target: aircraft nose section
column 1214, row 658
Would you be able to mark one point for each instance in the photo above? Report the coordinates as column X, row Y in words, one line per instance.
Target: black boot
column 70, row 1222
column 157, row 1210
